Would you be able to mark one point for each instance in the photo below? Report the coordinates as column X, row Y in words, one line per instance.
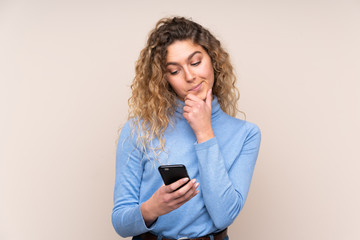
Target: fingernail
column 196, row 185
column 185, row 179
column 194, row 180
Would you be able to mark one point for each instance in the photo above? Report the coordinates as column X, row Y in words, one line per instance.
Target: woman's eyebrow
column 189, row 57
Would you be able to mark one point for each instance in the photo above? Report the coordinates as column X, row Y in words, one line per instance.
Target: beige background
column 65, row 71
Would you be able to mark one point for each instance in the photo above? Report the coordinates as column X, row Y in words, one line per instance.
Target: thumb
column 209, row 98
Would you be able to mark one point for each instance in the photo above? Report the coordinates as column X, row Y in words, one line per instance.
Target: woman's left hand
column 198, row 114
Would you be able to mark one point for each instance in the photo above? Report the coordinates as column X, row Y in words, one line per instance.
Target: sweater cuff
column 141, row 222
column 206, row 144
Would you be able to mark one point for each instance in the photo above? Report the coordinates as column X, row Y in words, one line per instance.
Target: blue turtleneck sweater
column 222, row 165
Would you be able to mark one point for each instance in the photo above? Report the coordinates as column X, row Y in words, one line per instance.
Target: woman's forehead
column 182, row 50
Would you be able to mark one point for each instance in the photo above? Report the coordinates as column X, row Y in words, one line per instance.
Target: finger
column 172, row 187
column 193, row 101
column 184, row 200
column 189, row 195
column 187, row 109
column 192, row 97
column 190, row 110
column 185, row 189
column 209, row 98
column 189, row 102
column 188, row 116
column 192, row 190
column 189, row 96
column 175, row 201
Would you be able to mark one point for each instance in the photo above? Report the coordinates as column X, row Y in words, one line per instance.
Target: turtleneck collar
column 215, row 108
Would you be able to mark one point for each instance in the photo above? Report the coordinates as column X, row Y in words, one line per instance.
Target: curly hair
column 153, row 101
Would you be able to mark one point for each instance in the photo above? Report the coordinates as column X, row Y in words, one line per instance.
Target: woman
column 182, row 111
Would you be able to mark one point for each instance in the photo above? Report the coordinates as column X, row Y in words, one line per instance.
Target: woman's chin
column 202, row 95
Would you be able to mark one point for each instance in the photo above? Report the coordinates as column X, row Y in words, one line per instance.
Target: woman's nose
column 189, row 75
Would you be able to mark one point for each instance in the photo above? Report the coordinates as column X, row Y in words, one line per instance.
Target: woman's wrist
column 148, row 216
column 204, row 136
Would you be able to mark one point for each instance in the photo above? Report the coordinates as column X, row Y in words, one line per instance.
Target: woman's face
column 189, row 69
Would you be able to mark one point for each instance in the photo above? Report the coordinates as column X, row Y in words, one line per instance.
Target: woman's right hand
column 166, row 199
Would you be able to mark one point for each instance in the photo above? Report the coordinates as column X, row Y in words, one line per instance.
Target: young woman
column 182, row 111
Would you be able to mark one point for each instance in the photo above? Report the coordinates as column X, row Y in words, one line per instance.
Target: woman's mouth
column 196, row 88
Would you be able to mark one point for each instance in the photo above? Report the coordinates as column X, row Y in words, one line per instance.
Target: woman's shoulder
column 253, row 130
column 251, row 126
column 130, row 125
column 128, row 128
column 240, row 124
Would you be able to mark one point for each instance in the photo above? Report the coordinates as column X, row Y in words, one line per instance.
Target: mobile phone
column 172, row 173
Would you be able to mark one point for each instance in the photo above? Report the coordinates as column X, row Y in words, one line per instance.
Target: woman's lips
column 196, row 88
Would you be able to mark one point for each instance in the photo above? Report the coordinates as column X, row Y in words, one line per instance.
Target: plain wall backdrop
column 65, row 72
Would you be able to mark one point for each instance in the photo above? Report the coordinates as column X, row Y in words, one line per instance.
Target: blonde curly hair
column 153, row 101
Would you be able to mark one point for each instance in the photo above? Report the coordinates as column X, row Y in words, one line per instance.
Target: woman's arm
column 225, row 189
column 129, row 218
column 126, row 216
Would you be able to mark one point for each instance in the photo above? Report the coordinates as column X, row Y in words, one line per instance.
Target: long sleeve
column 222, row 165
column 225, row 182
column 126, row 216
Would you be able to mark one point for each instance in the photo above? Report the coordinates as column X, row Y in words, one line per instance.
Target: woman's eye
column 196, row 63
column 173, row 72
